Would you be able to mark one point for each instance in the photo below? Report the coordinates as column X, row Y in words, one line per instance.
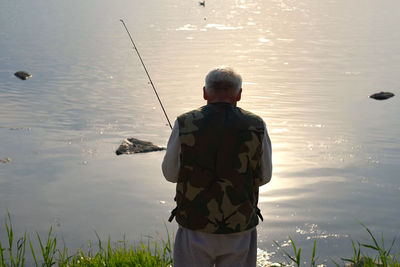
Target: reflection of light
column 263, row 40
column 187, row 27
column 223, row 27
column 285, row 40
column 280, row 130
column 240, row 3
column 263, row 257
column 270, row 199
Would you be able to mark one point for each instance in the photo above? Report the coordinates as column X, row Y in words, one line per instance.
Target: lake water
column 308, row 68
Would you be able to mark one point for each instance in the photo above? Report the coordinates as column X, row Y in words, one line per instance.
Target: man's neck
column 233, row 103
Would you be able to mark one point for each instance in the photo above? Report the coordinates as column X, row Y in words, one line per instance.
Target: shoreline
column 44, row 251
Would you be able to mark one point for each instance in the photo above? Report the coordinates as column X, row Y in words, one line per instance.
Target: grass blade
column 1, row 255
column 313, row 260
column 33, row 252
column 21, row 250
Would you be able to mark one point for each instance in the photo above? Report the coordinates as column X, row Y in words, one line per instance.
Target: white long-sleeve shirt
column 171, row 163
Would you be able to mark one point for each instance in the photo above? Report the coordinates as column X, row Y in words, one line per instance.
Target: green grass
column 384, row 257
column 47, row 252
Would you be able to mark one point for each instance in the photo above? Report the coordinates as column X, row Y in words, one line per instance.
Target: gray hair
column 223, row 77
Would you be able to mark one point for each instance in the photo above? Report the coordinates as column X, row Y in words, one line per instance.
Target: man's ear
column 239, row 95
column 205, row 95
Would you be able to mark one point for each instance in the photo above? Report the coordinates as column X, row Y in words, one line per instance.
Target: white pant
column 198, row 249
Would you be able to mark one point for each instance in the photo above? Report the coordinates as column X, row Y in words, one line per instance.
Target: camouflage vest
column 221, row 148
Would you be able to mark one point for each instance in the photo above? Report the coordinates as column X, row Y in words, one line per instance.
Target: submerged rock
column 133, row 145
column 5, row 160
column 23, row 75
column 382, row 95
column 19, row 129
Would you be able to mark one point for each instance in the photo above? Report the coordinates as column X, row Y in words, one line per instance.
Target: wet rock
column 23, row 75
column 133, row 145
column 5, row 160
column 382, row 95
column 202, row 3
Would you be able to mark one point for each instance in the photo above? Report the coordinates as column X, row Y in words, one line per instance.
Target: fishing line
column 144, row 66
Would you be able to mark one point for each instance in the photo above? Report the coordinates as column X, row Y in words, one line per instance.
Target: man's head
column 223, row 84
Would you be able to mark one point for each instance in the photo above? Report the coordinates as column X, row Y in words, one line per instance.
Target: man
column 218, row 155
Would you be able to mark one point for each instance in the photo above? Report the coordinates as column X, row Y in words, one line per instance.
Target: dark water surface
column 308, row 68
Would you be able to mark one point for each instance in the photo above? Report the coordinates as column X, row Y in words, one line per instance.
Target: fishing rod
column 144, row 66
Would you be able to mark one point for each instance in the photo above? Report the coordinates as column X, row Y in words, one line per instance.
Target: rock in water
column 133, row 145
column 382, row 95
column 5, row 160
column 23, row 75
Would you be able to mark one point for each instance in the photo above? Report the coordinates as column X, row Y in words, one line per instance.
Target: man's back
column 221, row 147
